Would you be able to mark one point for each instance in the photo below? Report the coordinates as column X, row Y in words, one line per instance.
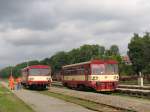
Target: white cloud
column 37, row 29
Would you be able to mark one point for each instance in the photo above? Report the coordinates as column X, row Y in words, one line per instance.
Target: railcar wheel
column 65, row 84
column 44, row 87
column 80, row 87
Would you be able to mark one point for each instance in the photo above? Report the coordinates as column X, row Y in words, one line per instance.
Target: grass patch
column 10, row 103
column 85, row 103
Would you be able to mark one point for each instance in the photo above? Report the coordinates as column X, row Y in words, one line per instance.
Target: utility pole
column 11, row 72
column 27, row 63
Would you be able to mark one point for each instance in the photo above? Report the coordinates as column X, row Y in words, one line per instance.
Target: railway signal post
column 140, row 79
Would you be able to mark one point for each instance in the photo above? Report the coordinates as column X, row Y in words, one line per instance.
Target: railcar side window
column 80, row 71
column 74, row 71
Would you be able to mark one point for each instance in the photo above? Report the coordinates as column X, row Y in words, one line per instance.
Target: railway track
column 135, row 90
column 115, row 101
column 134, row 87
column 131, row 90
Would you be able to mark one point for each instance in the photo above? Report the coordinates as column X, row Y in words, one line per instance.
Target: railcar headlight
column 48, row 78
column 118, row 77
column 115, row 77
column 95, row 78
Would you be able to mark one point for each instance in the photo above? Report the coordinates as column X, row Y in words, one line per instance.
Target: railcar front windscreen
column 102, row 69
column 39, row 71
column 111, row 69
column 98, row 69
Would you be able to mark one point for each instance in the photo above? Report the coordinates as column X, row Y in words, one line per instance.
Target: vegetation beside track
column 85, row 103
column 10, row 103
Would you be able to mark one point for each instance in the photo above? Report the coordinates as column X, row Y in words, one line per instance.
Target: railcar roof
column 77, row 64
column 36, row 66
column 92, row 61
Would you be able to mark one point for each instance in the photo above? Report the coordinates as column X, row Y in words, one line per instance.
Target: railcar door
column 86, row 71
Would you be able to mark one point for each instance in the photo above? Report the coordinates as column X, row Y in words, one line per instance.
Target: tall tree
column 114, row 50
column 4, row 73
column 33, row 62
column 58, row 60
column 146, row 47
column 101, row 50
column 139, row 52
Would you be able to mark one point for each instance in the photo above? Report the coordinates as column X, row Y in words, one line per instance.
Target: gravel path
column 138, row 105
column 43, row 103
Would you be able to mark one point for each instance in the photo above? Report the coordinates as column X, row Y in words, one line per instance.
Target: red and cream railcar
column 38, row 76
column 101, row 75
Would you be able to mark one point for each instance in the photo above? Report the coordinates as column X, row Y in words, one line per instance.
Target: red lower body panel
column 38, row 82
column 106, row 86
column 98, row 86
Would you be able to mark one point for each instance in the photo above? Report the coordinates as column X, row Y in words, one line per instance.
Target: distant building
column 126, row 60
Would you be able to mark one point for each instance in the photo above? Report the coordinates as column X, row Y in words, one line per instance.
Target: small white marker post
column 140, row 79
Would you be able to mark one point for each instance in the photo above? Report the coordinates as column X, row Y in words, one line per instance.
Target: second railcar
column 101, row 75
column 38, row 76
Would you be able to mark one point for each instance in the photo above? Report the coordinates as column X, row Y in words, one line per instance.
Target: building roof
column 126, row 59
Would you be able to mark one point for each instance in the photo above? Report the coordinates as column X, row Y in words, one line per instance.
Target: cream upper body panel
column 39, row 78
column 114, row 77
column 75, row 78
column 92, row 78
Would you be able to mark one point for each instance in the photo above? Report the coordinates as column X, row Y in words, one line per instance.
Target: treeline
column 5, row 72
column 82, row 54
column 139, row 53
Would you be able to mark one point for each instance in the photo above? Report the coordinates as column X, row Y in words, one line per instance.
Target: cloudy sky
column 35, row 29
